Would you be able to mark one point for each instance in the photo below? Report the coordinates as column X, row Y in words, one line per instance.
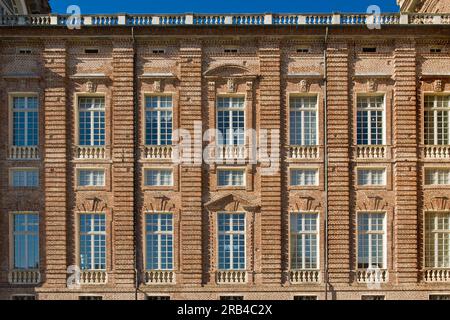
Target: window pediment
column 232, row 203
column 229, row 71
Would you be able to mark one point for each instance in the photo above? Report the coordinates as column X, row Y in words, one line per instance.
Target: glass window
column 158, row 120
column 90, row 178
column 159, row 241
column 231, row 178
column 371, row 240
column 26, row 241
column 93, row 241
column 437, row 240
column 25, row 121
column 437, row 176
column 304, row 177
column 91, row 121
column 303, row 120
column 436, row 120
column 371, row 177
column 231, row 241
column 24, row 178
column 370, row 118
column 158, row 177
column 304, row 241
column 230, row 120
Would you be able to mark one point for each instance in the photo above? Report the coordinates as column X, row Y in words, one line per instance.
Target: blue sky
column 222, row 6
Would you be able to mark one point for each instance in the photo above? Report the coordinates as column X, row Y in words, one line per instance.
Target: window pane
column 303, row 120
column 158, row 120
column 25, row 121
column 93, row 241
column 437, row 176
column 304, row 241
column 437, row 240
column 231, row 241
column 371, row 177
column 158, row 177
column 231, row 178
column 25, row 177
column 26, row 241
column 370, row 114
column 304, row 177
column 436, row 119
column 371, row 243
column 159, row 241
column 91, row 121
column 90, row 178
column 230, row 120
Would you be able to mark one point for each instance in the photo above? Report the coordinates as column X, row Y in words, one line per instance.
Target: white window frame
column 230, row 234
column 25, row 95
column 303, row 110
column 303, row 233
column 432, row 238
column 230, row 109
column 159, row 233
column 12, row 171
column 371, row 179
column 369, row 109
column 13, row 234
column 436, row 172
column 435, row 109
column 231, row 178
column 91, row 177
column 92, row 235
column 370, row 233
column 159, row 110
column 159, row 184
column 79, row 97
column 303, row 177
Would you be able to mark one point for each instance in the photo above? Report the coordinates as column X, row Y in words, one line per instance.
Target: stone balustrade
column 303, row 152
column 231, row 276
column 231, row 152
column 436, row 152
column 372, row 276
column 24, row 153
column 92, row 277
column 436, row 275
column 159, row 277
column 304, row 276
column 371, row 152
column 90, row 152
column 25, row 277
column 157, row 152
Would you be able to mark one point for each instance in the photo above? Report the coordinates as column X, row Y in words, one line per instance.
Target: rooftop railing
column 109, row 20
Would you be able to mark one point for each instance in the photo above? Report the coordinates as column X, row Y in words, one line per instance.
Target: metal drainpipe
column 325, row 153
column 136, row 163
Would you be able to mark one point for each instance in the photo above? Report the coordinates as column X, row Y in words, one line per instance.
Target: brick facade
column 191, row 65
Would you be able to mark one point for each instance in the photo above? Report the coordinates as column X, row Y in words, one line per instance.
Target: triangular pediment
column 232, row 202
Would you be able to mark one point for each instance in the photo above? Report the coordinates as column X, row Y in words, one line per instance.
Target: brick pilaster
column 123, row 161
column 55, row 163
column 406, row 166
column 338, row 159
column 191, row 174
column 270, row 119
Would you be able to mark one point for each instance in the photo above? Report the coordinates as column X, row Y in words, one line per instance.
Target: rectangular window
column 24, row 178
column 371, row 177
column 25, row 121
column 91, row 121
column 26, row 241
column 371, row 240
column 93, row 241
column 437, row 176
column 436, row 120
column 304, row 241
column 158, row 120
column 372, row 297
column 370, row 118
column 159, row 241
column 304, row 177
column 231, row 240
column 305, row 298
column 437, row 240
column 158, row 177
column 91, row 177
column 230, row 120
column 228, row 178
column 303, row 120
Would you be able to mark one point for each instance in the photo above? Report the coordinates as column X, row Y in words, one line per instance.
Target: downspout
column 325, row 157
column 136, row 164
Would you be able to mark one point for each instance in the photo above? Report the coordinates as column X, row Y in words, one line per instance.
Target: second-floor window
column 437, row 120
column 370, row 120
column 26, row 177
column 93, row 241
column 231, row 241
column 159, row 241
column 228, row 178
column 304, row 241
column 437, row 240
column 158, row 177
column 91, row 177
column 304, row 177
column 158, row 120
column 25, row 122
column 230, row 120
column 303, row 120
column 26, row 241
column 371, row 240
column 371, row 177
column 437, row 176
column 91, row 121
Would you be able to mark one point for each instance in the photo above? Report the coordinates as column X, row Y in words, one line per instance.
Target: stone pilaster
column 406, row 165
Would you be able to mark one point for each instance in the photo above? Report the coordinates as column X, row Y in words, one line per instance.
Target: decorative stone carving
column 158, row 86
column 249, row 86
column 438, row 86
column 440, row 203
column 92, row 205
column 305, row 203
column 303, row 86
column 231, row 203
column 160, row 203
column 372, row 85
column 373, row 203
column 91, row 87
column 231, row 86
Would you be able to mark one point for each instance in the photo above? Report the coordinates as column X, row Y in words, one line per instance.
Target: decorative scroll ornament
column 372, row 85
column 91, row 87
column 157, row 86
column 438, row 86
column 231, row 86
column 303, row 86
